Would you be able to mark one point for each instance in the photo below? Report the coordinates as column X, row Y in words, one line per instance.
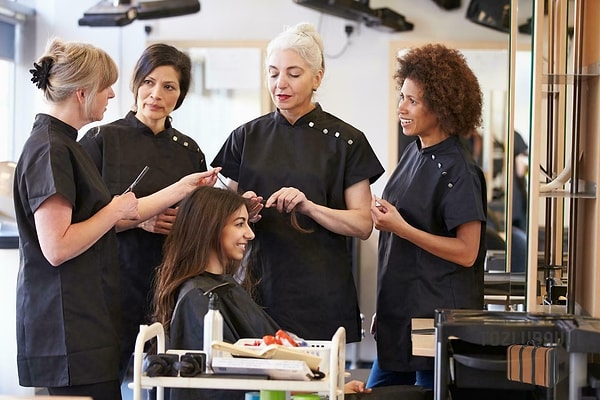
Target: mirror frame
column 266, row 105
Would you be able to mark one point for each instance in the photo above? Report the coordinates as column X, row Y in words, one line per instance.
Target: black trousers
column 110, row 390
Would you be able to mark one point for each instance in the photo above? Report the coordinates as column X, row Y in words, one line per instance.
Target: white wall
column 9, row 381
column 355, row 87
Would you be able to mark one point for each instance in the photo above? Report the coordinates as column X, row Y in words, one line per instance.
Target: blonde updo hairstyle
column 75, row 66
column 303, row 39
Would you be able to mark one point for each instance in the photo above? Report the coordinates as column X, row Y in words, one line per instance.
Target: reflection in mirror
column 560, row 134
column 227, row 90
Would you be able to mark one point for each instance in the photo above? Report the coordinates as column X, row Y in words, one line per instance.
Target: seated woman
column 202, row 253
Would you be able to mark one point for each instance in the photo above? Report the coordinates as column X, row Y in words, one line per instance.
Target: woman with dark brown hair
column 202, row 253
column 160, row 82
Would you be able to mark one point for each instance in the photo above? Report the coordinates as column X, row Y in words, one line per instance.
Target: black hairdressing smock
column 120, row 150
column 67, row 316
column 242, row 318
column 435, row 189
column 305, row 279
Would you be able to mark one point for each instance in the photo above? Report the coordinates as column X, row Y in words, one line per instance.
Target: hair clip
column 41, row 72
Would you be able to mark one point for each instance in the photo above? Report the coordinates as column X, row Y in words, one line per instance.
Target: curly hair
column 450, row 88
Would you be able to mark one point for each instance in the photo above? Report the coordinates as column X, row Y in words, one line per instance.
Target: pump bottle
column 213, row 328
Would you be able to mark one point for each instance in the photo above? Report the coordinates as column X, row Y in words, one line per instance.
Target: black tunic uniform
column 120, row 150
column 436, row 189
column 67, row 316
column 305, row 279
column 242, row 318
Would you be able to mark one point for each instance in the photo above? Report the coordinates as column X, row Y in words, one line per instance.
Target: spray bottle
column 213, row 328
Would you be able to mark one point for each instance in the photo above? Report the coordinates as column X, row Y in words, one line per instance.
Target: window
column 7, row 89
column 17, row 28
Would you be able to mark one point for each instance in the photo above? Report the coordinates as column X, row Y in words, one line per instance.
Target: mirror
column 565, row 178
column 505, row 81
column 227, row 90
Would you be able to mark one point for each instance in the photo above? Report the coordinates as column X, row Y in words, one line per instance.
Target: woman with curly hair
column 432, row 213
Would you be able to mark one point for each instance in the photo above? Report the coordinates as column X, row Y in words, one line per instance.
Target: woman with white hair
column 315, row 171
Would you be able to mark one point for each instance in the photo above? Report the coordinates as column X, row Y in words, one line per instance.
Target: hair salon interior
column 538, row 64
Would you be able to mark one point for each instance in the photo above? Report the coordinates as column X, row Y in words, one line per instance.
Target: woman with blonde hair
column 68, row 280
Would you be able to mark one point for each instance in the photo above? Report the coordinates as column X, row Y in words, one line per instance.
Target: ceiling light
column 105, row 13
column 389, row 20
column 166, row 8
column 384, row 19
column 123, row 12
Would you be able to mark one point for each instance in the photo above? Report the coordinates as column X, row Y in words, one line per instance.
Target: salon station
column 538, row 64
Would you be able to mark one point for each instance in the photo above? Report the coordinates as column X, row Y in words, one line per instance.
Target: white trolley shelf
column 332, row 384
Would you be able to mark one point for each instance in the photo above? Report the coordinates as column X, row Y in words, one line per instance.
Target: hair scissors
column 136, row 181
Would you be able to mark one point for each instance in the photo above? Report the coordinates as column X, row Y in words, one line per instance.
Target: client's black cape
column 242, row 318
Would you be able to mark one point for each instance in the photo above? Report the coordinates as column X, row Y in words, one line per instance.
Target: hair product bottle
column 213, row 328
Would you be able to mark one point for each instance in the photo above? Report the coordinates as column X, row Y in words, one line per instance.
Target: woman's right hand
column 126, row 206
column 255, row 207
column 206, row 178
column 386, row 217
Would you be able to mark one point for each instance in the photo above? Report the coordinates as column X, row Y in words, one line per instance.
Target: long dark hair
column 158, row 55
column 196, row 232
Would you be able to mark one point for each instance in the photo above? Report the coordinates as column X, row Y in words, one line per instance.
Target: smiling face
column 157, row 97
column 291, row 83
column 415, row 116
column 236, row 234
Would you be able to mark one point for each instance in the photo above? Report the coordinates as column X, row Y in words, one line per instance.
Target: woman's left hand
column 161, row 223
column 286, row 199
column 255, row 207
